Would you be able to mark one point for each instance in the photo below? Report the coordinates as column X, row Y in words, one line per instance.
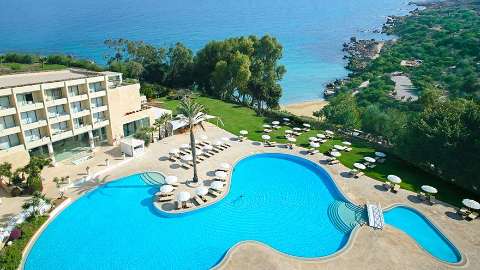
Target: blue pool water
column 286, row 202
column 423, row 232
column 311, row 31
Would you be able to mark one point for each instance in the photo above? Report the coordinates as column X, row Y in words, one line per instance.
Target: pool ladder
column 346, row 216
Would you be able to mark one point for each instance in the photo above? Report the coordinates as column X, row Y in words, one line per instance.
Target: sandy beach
column 305, row 108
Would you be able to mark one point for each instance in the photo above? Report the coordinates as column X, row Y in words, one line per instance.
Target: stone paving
column 370, row 249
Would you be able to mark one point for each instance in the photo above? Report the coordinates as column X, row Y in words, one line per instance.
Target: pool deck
column 369, row 249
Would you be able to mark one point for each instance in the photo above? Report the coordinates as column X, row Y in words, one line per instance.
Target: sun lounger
column 197, row 200
column 313, row 151
column 463, row 212
column 333, row 162
column 184, row 165
column 213, row 192
column 422, row 196
column 165, row 198
column 431, row 199
column 188, row 204
column 203, row 198
column 395, row 188
column 471, row 216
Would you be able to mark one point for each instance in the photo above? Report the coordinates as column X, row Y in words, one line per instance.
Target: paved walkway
column 404, row 88
column 387, row 249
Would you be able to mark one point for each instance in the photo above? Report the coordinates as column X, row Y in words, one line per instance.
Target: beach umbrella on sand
column 265, row 137
column 290, row 139
column 472, row 204
column 225, row 166
column 329, row 132
column 166, row 189
column 335, row 154
column 183, row 196
column 394, row 179
column 220, row 174
column 217, row 185
column 380, row 154
column 202, row 191
column 429, row 189
column 174, row 151
column 321, row 136
column 275, row 123
column 359, row 166
column 306, row 125
column 369, row 159
column 171, row 179
column 243, row 132
column 185, row 146
column 314, row 144
column 347, row 143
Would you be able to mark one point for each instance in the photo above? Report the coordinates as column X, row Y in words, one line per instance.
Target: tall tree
column 162, row 122
column 194, row 114
column 342, row 110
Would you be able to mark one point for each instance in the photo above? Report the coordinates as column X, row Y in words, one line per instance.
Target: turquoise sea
column 311, row 31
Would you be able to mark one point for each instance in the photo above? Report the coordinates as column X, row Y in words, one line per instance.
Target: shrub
column 11, row 256
column 15, row 234
column 143, row 135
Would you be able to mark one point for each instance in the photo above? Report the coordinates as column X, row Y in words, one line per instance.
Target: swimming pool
column 286, row 202
column 423, row 232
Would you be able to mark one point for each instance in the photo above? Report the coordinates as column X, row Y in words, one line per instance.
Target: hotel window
column 97, row 102
column 78, row 122
column 98, row 117
column 9, row 141
column 59, row 127
column 77, row 107
column 29, row 117
column 25, row 98
column 74, row 90
column 4, row 102
column 55, row 111
column 95, row 87
column 53, row 94
column 32, row 135
column 7, row 122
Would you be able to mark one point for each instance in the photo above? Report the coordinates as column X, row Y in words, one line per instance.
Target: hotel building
column 67, row 112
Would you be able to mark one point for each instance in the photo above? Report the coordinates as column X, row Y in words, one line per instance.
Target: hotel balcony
column 55, row 102
column 101, row 123
column 61, row 134
column 9, row 131
column 37, row 124
column 80, row 97
column 7, row 111
column 37, row 143
column 81, row 129
column 99, row 109
column 80, row 113
column 58, row 118
column 30, row 106
column 96, row 94
column 13, row 149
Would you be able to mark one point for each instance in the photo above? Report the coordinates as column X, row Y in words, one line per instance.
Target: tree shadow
column 346, row 175
column 211, row 173
column 256, row 143
column 414, row 199
column 454, row 216
column 164, row 158
column 174, row 166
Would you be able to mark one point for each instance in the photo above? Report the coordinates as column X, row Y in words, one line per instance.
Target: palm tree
column 194, row 113
column 162, row 122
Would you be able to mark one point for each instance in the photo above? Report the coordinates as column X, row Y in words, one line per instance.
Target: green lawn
column 6, row 68
column 236, row 118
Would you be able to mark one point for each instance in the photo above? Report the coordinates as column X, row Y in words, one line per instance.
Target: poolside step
column 346, row 216
column 148, row 178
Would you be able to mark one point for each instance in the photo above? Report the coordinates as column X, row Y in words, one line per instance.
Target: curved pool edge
column 183, row 212
column 463, row 258
column 348, row 245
